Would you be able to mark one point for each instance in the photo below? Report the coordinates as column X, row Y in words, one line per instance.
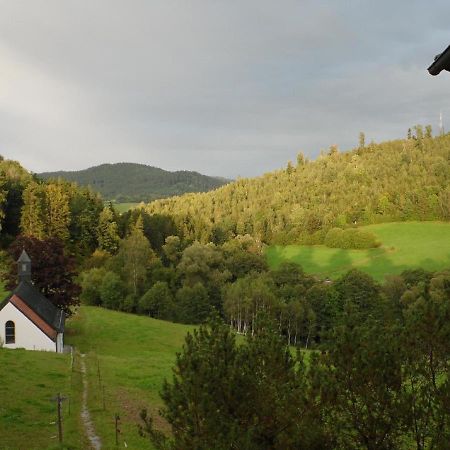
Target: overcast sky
column 224, row 87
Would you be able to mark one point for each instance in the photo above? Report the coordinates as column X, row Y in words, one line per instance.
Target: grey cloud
column 225, row 88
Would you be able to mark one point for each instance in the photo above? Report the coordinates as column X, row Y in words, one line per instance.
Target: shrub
column 334, row 238
column 350, row 238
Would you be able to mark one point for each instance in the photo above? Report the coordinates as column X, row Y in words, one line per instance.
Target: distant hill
column 129, row 182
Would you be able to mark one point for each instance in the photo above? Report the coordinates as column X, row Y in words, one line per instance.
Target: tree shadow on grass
column 378, row 264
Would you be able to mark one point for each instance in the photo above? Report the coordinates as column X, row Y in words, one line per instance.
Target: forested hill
column 392, row 181
column 129, row 182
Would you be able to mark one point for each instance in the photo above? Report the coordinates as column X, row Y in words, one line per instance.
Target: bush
column 334, row 238
column 350, row 238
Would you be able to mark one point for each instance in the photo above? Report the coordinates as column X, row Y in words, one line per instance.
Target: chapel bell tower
column 24, row 267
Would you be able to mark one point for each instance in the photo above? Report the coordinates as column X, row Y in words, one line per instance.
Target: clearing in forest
column 405, row 245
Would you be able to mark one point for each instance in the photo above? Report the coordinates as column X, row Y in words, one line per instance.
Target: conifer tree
column 251, row 396
column 108, row 236
column 362, row 140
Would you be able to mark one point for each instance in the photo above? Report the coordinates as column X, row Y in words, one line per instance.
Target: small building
column 28, row 319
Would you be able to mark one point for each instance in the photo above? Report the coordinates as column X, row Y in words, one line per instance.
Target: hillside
column 133, row 355
column 129, row 182
column 30, row 380
column 399, row 180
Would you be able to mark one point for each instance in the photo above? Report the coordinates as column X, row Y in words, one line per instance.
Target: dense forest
column 393, row 181
column 129, row 182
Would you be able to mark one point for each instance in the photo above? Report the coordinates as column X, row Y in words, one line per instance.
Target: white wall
column 28, row 335
column 60, row 343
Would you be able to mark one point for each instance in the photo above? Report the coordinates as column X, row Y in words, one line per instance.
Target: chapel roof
column 24, row 258
column 42, row 306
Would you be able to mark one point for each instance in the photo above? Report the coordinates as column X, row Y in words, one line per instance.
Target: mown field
column 124, row 207
column 405, row 245
column 30, row 381
column 127, row 358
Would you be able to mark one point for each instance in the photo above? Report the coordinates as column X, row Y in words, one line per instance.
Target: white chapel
column 28, row 319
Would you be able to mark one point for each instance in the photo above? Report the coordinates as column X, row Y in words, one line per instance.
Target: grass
column 30, row 380
column 124, row 207
column 405, row 245
column 127, row 358
column 130, row 356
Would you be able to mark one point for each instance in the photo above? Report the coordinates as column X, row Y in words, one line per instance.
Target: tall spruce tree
column 227, row 396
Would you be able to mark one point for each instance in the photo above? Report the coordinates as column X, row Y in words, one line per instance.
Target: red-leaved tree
column 52, row 272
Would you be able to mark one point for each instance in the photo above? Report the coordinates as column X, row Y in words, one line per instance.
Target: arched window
column 10, row 332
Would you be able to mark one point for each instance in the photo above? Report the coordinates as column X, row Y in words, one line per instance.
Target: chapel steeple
column 24, row 267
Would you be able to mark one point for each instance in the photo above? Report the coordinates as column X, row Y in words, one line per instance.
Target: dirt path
column 94, row 440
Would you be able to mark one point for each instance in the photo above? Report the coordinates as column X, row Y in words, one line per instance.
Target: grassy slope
column 405, row 245
column 27, row 415
column 135, row 354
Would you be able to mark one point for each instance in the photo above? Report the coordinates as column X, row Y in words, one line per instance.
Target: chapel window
column 10, row 332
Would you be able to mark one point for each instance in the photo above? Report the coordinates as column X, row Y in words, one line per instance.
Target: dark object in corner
column 441, row 62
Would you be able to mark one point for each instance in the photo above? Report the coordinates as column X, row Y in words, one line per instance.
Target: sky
column 224, row 87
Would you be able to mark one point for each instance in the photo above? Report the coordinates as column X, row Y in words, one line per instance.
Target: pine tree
column 362, row 140
column 251, row 396
column 108, row 236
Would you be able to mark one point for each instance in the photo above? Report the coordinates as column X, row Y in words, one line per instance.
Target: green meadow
column 405, row 245
column 124, row 207
column 127, row 358
column 30, row 382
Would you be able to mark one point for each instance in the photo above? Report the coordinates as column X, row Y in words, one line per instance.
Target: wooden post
column 117, row 418
column 60, row 435
column 59, row 399
column 98, row 373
